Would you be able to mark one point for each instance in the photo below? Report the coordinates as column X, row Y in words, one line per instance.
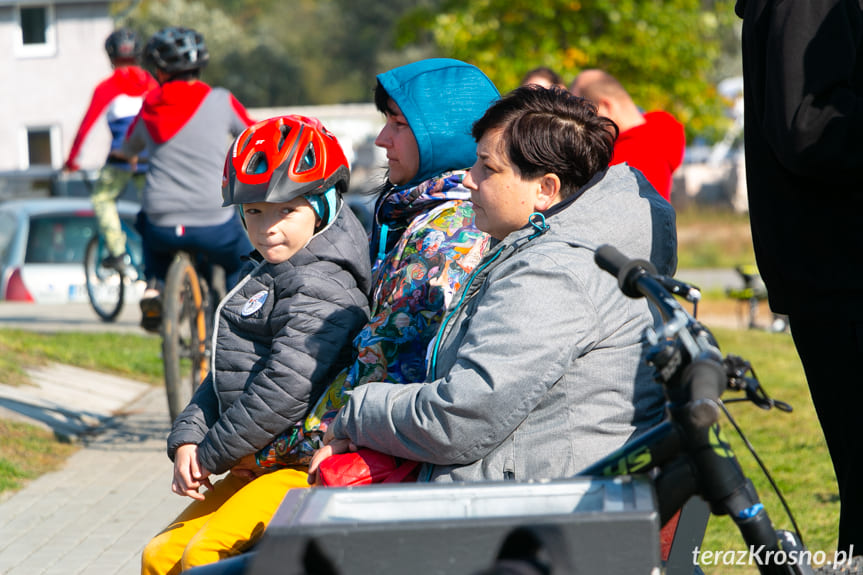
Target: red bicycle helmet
column 283, row 158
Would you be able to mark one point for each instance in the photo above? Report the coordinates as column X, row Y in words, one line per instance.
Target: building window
column 40, row 146
column 34, row 25
column 36, row 35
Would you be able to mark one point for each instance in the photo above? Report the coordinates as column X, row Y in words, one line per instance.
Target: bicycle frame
column 686, row 455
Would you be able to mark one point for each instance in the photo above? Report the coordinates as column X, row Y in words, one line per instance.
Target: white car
column 42, row 244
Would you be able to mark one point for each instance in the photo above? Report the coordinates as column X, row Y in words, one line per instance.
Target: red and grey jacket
column 186, row 127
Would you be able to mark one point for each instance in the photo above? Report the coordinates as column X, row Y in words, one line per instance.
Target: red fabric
column 363, row 467
column 167, row 109
column 655, row 148
column 666, row 536
column 129, row 80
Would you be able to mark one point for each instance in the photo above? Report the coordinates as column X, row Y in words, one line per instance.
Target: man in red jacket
column 117, row 97
column 651, row 142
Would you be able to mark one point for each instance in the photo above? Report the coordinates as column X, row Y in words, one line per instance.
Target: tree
column 255, row 67
column 663, row 51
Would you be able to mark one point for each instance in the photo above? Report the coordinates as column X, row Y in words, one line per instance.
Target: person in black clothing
column 803, row 115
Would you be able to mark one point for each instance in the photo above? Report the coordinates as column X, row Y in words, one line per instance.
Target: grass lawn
column 133, row 356
column 27, row 451
column 713, row 239
column 790, row 444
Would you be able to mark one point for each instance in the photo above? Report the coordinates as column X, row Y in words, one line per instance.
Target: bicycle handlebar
column 695, row 374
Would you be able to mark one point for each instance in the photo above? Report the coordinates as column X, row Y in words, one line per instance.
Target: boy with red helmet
column 285, row 330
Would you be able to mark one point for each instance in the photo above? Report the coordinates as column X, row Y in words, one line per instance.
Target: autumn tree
column 665, row 52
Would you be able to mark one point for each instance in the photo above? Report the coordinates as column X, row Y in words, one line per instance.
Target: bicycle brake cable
column 764, row 470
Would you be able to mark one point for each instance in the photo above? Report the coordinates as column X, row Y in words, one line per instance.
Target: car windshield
column 59, row 238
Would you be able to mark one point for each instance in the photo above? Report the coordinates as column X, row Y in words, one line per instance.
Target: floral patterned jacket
column 427, row 246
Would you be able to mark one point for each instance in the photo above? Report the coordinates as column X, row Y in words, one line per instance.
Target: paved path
column 95, row 514
column 52, row 318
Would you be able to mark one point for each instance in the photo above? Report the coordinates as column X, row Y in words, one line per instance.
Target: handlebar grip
column 627, row 271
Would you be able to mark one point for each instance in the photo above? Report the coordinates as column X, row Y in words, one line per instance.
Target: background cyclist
column 118, row 97
column 186, row 127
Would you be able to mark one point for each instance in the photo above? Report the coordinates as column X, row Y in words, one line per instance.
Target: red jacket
column 655, row 148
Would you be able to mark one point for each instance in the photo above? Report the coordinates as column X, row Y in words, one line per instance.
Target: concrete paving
column 68, row 400
column 94, row 515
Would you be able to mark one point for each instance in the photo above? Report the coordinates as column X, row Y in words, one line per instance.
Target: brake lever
column 737, row 368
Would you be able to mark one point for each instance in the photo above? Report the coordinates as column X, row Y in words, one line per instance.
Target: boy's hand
column 247, row 468
column 189, row 475
column 333, row 447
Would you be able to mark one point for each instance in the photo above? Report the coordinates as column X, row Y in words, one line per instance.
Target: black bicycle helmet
column 123, row 44
column 176, row 50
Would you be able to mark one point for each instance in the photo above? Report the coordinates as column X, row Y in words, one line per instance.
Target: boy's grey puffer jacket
column 283, row 334
column 538, row 369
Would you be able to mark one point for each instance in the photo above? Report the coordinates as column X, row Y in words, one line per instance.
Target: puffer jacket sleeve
column 523, row 332
column 192, row 424
column 316, row 314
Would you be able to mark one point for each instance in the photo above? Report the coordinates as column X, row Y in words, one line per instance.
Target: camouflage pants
column 111, row 183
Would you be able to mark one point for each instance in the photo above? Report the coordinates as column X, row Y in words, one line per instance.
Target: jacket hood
column 618, row 207
column 133, row 80
column 440, row 98
column 166, row 109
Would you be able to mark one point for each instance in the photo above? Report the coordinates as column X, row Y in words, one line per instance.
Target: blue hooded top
column 440, row 98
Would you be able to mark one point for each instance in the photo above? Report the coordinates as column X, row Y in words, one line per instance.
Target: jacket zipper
column 433, row 361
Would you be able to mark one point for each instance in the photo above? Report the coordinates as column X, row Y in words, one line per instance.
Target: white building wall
column 53, row 90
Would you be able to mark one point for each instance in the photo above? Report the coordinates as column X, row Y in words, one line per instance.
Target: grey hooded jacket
column 282, row 335
column 538, row 370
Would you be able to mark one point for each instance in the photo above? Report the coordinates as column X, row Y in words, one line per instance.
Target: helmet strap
column 324, row 205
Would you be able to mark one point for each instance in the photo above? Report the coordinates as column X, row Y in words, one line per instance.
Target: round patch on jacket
column 255, row 302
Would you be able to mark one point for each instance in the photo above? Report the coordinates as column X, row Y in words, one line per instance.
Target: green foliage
column 668, row 53
column 665, row 52
column 256, row 67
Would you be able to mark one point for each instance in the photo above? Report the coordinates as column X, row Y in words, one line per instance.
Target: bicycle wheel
column 184, row 333
column 105, row 286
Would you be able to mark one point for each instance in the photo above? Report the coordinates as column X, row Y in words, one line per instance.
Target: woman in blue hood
column 424, row 246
